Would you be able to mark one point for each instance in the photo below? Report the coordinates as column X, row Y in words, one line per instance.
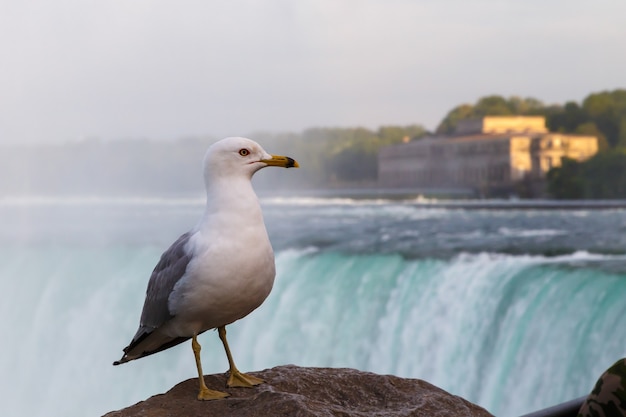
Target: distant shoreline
column 456, row 198
column 451, row 200
column 532, row 205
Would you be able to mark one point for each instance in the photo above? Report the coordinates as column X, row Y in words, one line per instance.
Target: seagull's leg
column 236, row 378
column 204, row 393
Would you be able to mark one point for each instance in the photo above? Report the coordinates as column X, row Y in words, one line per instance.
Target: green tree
column 566, row 181
column 528, row 105
column 395, row 134
column 605, row 175
column 565, row 118
column 448, row 124
column 621, row 139
column 590, row 129
column 493, row 106
column 489, row 106
column 601, row 177
column 608, row 111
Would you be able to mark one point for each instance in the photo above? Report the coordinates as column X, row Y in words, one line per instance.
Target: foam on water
column 512, row 333
column 512, row 330
column 344, row 201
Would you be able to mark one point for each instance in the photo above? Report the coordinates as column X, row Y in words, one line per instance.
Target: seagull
column 219, row 271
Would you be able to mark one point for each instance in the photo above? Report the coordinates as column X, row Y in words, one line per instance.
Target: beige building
column 489, row 155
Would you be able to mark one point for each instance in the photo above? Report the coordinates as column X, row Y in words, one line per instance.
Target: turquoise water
column 512, row 309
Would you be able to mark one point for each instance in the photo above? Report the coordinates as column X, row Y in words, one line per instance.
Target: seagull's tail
column 147, row 343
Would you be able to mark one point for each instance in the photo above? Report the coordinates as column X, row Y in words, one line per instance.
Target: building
column 492, row 155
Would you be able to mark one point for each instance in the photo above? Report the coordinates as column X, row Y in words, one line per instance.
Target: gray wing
column 166, row 274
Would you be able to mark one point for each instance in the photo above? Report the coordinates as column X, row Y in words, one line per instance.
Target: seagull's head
column 240, row 156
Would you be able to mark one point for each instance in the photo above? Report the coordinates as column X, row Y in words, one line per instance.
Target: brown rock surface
column 296, row 391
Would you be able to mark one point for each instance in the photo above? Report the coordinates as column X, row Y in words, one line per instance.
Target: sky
column 167, row 69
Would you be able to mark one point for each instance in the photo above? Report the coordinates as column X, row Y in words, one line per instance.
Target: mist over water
column 514, row 310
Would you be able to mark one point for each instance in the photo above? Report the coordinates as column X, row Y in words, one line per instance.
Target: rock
column 303, row 392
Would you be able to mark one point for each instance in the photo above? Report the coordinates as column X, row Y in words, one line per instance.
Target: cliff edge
column 304, row 392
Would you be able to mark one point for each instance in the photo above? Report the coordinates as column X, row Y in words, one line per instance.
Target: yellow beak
column 281, row 161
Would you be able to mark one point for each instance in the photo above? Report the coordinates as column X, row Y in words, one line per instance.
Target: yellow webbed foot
column 238, row 379
column 206, row 394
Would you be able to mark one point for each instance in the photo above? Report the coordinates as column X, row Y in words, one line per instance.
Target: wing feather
column 168, row 271
column 166, row 274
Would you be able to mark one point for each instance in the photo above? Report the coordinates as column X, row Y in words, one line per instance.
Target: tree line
column 336, row 157
column 329, row 157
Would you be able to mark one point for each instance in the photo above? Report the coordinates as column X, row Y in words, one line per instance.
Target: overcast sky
column 112, row 69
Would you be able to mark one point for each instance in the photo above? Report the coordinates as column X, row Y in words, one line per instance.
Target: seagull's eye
column 244, row 152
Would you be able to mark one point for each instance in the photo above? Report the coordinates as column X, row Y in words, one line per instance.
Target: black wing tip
column 127, row 358
column 124, row 359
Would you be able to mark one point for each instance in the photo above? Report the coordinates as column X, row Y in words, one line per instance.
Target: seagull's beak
column 281, row 161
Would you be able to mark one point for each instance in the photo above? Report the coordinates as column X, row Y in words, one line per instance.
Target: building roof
column 502, row 124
